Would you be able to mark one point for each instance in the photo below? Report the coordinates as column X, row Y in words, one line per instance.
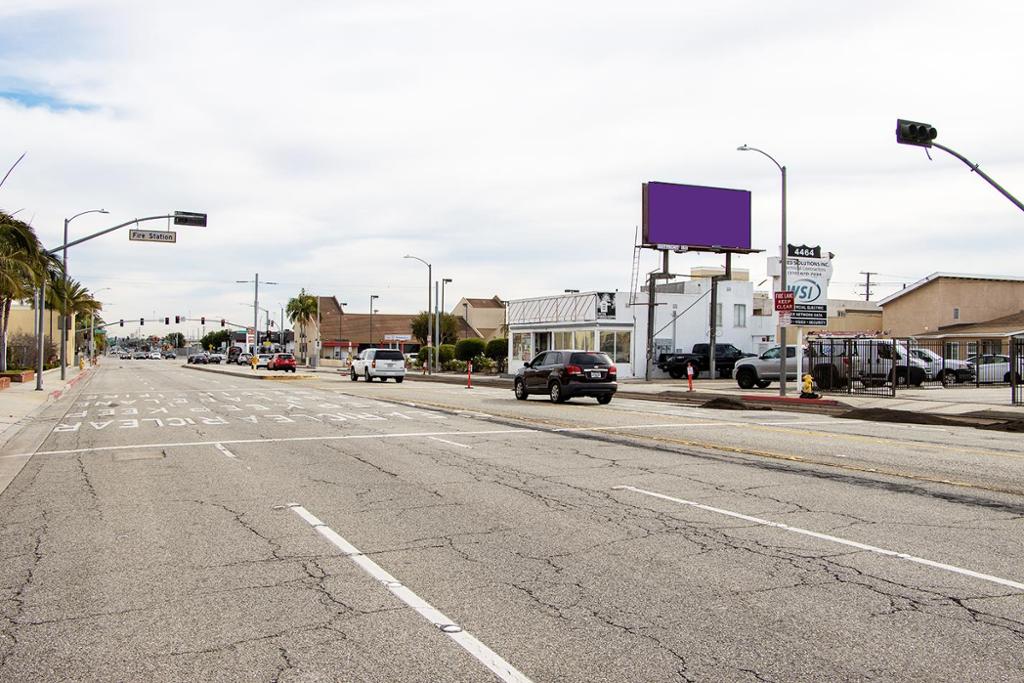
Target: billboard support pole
column 713, row 336
column 784, row 255
column 652, row 278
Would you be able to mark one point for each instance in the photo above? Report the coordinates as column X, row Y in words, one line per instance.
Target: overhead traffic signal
column 222, row 322
column 202, row 320
column 122, row 322
column 142, row 322
column 915, row 133
column 177, row 319
column 167, row 320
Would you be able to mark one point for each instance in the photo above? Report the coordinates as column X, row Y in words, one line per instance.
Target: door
column 531, row 374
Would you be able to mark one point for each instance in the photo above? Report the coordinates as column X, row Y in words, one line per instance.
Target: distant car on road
column 564, row 374
column 218, row 358
column 263, row 359
column 379, row 364
column 140, row 355
column 243, row 358
column 199, row 359
column 282, row 361
column 154, row 355
column 170, row 355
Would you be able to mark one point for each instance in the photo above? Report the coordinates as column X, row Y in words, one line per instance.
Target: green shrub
column 484, row 364
column 497, row 349
column 423, row 355
column 469, row 348
column 445, row 353
column 454, row 365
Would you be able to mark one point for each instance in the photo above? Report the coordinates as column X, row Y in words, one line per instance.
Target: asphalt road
column 179, row 525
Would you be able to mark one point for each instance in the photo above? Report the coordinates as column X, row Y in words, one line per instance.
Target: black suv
column 568, row 373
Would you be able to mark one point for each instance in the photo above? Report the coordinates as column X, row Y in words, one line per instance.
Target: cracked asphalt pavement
column 152, row 535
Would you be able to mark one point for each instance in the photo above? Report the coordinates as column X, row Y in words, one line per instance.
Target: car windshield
column 389, row 354
column 590, row 359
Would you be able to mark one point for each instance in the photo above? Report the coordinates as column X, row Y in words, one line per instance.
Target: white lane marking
column 460, row 445
column 832, row 539
column 16, row 455
column 183, row 444
column 468, row 642
column 220, row 447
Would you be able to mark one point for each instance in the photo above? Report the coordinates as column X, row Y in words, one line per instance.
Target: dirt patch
column 979, row 420
column 729, row 403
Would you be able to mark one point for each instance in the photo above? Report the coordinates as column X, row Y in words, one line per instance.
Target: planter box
column 26, row 376
column 5, row 382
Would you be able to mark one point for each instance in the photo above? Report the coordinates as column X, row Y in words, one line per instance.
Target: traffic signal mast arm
column 104, row 232
column 924, row 134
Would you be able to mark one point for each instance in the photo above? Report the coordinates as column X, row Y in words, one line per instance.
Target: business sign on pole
column 398, row 337
column 807, row 279
column 605, row 305
column 250, row 336
column 167, row 236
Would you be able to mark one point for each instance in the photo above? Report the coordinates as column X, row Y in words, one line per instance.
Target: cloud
column 504, row 144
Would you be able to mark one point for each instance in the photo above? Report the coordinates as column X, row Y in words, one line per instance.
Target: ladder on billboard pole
column 635, row 274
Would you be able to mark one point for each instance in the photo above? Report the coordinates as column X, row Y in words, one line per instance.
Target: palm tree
column 24, row 265
column 302, row 309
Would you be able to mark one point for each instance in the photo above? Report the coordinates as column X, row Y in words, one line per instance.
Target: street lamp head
column 446, row 280
column 743, row 148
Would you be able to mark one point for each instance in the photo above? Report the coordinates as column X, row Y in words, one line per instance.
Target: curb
column 284, row 377
column 57, row 393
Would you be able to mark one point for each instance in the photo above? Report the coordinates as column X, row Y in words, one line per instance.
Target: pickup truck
column 726, row 356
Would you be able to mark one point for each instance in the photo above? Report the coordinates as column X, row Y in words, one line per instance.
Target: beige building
column 483, row 318
column 22, row 324
column 944, row 299
column 854, row 316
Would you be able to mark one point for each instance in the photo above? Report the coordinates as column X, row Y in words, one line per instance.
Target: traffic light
column 222, row 322
column 142, row 322
column 915, row 133
column 177, row 319
column 167, row 320
column 122, row 322
column 202, row 320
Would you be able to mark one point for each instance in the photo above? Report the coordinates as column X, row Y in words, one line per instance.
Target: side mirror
column 527, row 364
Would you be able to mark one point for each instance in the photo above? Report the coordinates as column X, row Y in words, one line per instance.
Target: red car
column 282, row 361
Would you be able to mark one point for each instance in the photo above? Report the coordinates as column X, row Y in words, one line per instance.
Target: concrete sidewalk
column 20, row 403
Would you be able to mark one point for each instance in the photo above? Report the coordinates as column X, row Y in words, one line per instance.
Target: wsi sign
column 807, row 278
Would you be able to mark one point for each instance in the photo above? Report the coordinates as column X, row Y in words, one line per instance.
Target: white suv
column 380, row 364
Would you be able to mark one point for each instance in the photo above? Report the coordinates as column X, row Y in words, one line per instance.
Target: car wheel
column 763, row 383
column 520, row 389
column 746, row 378
column 352, row 374
column 604, row 399
column 383, row 379
column 675, row 373
column 555, row 393
column 368, row 378
column 398, row 380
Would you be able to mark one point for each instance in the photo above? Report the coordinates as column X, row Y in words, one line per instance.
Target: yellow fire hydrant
column 807, row 390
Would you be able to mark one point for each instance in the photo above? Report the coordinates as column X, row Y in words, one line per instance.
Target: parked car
column 944, row 370
column 243, row 358
column 218, row 358
column 378, row 364
column 282, row 361
column 567, row 373
column 263, row 359
column 170, row 355
column 993, row 368
column 762, row 370
column 870, row 361
column 199, row 359
column 140, row 355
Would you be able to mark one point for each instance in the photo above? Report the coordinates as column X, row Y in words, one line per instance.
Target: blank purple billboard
column 696, row 216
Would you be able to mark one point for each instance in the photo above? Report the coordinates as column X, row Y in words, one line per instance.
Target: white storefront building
column 606, row 321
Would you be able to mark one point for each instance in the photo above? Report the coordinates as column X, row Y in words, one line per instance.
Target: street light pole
column 431, row 343
column 783, row 350
column 373, row 297
column 64, row 303
column 444, row 281
column 256, row 308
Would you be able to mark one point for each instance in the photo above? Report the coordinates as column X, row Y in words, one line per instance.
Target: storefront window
column 563, row 340
column 522, row 345
column 608, row 343
column 623, row 343
column 583, row 340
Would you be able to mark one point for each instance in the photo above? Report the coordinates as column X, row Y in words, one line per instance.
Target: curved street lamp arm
column 85, row 212
column 747, row 148
column 976, row 169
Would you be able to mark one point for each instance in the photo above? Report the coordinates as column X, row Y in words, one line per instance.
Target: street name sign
column 168, row 236
column 190, row 218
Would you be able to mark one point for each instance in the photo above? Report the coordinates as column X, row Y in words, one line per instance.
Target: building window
column 563, row 340
column 522, row 345
column 718, row 315
column 739, row 315
column 616, row 345
column 956, row 314
column 583, row 340
column 953, row 350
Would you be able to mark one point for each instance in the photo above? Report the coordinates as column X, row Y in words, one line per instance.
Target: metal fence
column 881, row 367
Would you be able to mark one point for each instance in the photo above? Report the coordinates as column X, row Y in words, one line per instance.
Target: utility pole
column 256, row 308
column 867, row 284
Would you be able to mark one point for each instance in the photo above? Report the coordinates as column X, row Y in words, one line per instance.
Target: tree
column 497, row 350
column 302, row 309
column 213, row 340
column 175, row 340
column 468, row 349
column 449, row 328
column 24, row 264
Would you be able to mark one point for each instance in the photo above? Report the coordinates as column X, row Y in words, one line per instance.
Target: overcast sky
column 506, row 145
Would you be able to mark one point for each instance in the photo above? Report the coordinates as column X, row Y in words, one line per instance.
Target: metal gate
column 1017, row 374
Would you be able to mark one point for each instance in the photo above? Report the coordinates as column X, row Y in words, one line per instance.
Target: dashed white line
column 827, row 537
column 220, row 447
column 485, row 655
column 453, row 443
